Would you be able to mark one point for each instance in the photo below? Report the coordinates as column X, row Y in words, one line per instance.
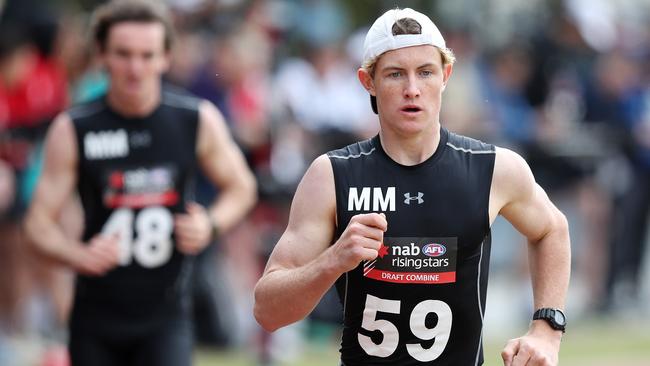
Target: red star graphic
column 116, row 180
column 383, row 250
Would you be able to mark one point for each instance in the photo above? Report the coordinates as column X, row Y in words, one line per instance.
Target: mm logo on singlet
column 106, row 144
column 360, row 201
column 414, row 261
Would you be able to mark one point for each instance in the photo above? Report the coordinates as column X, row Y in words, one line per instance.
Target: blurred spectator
column 464, row 90
column 235, row 79
column 621, row 99
column 305, row 91
column 33, row 88
column 506, row 75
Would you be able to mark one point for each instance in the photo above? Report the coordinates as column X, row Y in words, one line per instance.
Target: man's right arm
column 54, row 188
column 303, row 265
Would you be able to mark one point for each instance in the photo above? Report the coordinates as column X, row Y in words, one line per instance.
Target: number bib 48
column 152, row 245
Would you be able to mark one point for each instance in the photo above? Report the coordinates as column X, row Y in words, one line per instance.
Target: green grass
column 593, row 344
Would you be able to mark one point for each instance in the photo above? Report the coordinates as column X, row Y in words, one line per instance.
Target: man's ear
column 366, row 80
column 446, row 74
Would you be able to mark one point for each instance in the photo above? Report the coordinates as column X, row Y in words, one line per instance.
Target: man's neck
column 129, row 106
column 411, row 150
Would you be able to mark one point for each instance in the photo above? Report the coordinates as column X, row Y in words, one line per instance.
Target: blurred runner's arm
column 224, row 165
column 527, row 207
column 55, row 186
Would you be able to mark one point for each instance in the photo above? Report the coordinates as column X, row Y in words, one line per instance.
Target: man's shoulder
column 469, row 145
column 85, row 110
column 353, row 151
column 176, row 97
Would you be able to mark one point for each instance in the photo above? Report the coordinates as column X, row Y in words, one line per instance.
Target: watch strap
column 548, row 314
column 543, row 313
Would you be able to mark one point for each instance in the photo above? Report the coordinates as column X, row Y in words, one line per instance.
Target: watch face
column 559, row 317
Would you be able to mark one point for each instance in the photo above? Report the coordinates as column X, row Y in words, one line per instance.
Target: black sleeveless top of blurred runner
column 421, row 302
column 134, row 174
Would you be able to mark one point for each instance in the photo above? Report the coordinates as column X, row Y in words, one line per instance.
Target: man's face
column 408, row 84
column 135, row 57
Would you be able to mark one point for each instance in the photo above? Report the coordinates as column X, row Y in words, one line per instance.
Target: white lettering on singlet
column 106, row 144
column 380, row 201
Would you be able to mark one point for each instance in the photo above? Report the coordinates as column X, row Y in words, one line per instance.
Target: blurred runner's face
column 408, row 84
column 135, row 58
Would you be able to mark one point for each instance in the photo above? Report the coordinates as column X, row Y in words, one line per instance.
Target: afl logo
column 434, row 250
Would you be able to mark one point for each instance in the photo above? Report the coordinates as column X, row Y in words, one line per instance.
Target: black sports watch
column 554, row 317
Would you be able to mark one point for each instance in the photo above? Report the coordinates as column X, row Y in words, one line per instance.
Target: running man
column 401, row 224
column 132, row 157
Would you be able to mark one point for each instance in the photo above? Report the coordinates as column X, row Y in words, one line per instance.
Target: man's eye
column 395, row 74
column 426, row 73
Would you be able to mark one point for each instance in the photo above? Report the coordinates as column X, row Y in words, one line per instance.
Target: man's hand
column 539, row 347
column 360, row 241
column 192, row 229
column 98, row 257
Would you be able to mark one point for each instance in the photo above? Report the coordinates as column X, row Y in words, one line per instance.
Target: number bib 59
column 390, row 332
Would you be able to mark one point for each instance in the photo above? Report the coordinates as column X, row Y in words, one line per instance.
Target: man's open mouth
column 411, row 109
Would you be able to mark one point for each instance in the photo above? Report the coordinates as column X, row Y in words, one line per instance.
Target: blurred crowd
column 566, row 83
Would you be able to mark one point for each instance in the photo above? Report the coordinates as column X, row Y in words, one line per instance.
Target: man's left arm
column 525, row 204
column 224, row 165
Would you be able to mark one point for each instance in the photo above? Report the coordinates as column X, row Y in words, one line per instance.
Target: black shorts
column 169, row 345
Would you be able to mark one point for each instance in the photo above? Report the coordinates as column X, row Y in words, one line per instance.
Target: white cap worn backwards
column 380, row 37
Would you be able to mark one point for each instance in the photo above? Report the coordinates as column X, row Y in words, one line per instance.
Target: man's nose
column 411, row 89
column 135, row 65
